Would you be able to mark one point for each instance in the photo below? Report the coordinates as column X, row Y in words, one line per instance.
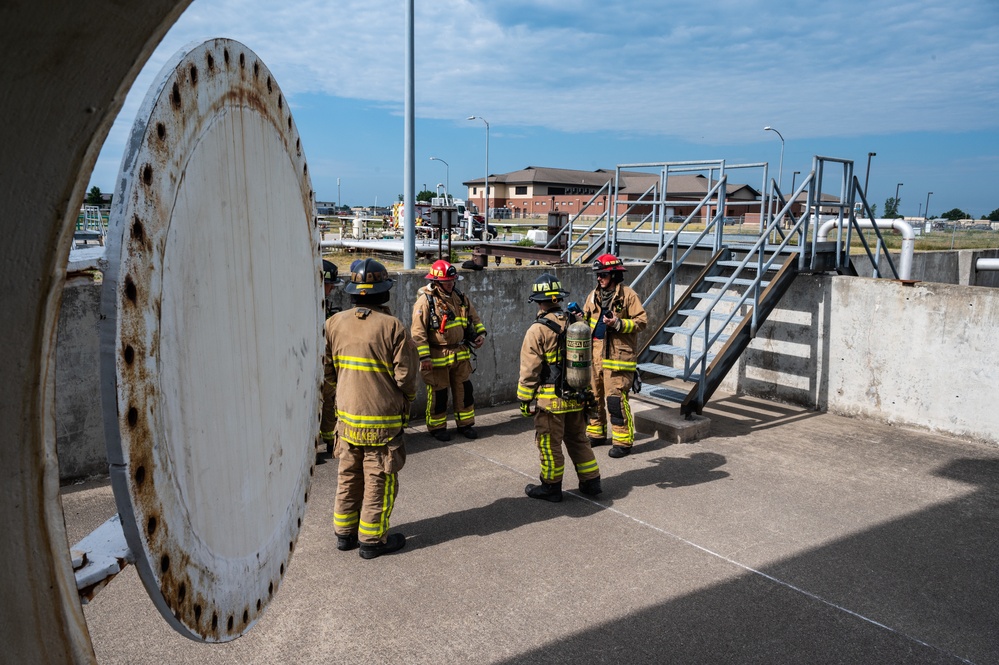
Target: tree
column 425, row 195
column 955, row 214
column 874, row 210
column 95, row 198
column 891, row 207
column 994, row 215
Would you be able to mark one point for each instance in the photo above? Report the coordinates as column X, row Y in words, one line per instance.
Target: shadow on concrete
column 919, row 589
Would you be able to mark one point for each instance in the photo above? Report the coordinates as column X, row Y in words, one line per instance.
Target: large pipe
column 908, row 239
column 987, row 264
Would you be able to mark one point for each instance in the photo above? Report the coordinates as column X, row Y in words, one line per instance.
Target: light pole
column 485, row 197
column 896, row 198
column 780, row 168
column 868, row 174
column 794, row 176
column 447, row 174
column 338, row 196
column 926, row 210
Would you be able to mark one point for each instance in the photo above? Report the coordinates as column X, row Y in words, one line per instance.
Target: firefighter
column 616, row 316
column 371, row 371
column 327, row 423
column 558, row 419
column 446, row 328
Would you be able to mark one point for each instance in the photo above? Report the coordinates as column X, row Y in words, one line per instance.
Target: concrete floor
column 786, row 536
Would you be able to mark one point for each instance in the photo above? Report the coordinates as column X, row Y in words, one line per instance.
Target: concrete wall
column 916, row 355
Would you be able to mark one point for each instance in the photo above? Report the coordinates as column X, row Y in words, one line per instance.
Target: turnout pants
column 367, row 485
column 456, row 378
column 610, row 388
column 553, row 429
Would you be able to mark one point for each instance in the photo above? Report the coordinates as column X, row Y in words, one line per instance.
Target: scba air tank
column 578, row 355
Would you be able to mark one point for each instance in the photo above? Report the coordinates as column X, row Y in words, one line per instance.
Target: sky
column 587, row 84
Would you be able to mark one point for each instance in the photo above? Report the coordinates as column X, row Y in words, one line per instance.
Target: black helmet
column 547, row 288
column 368, row 277
column 330, row 273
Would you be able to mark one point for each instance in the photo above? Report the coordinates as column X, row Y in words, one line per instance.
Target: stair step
column 749, row 266
column 738, row 281
column 708, row 295
column 669, row 372
column 665, row 394
column 682, row 330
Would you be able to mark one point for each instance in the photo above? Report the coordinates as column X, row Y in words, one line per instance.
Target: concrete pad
column 667, row 423
column 785, row 536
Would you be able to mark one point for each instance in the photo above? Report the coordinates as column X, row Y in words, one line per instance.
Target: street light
column 780, row 168
column 447, row 174
column 485, row 197
column 338, row 196
column 896, row 196
column 926, row 211
column 794, row 177
column 868, row 174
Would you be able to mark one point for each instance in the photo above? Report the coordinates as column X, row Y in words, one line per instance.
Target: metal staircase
column 710, row 322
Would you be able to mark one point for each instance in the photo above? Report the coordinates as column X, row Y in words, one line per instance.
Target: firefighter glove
column 525, row 409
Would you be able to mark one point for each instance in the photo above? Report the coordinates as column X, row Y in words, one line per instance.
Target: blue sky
column 587, row 84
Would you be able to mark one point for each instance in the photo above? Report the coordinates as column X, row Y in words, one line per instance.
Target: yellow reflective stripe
column 551, row 357
column 587, row 467
column 432, row 420
column 627, row 326
column 361, row 364
column 524, row 393
column 548, row 469
column 369, row 422
column 620, row 365
column 423, row 350
column 595, row 431
column 346, row 520
column 547, row 392
column 465, row 415
column 463, row 354
column 327, row 436
column 479, row 328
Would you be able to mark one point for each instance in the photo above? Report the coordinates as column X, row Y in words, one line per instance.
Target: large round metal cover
column 211, row 344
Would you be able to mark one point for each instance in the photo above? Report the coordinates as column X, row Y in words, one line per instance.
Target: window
column 556, row 191
column 521, row 190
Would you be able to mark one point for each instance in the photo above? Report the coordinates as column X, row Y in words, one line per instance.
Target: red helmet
column 442, row 271
column 607, row 263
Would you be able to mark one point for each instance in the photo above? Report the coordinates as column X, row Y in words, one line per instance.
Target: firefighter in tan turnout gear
column 616, row 316
column 327, row 423
column 446, row 328
column 558, row 418
column 371, row 371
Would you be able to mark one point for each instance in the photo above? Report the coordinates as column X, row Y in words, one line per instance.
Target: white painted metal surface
column 211, row 356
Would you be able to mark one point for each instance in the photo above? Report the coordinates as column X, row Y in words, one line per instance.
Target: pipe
column 987, row 264
column 908, row 239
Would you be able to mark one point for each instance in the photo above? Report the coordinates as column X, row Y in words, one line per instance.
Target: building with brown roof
column 536, row 190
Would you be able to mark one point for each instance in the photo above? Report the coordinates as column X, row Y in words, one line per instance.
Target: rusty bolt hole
column 211, row 61
column 151, row 526
column 289, row 122
column 161, row 130
column 282, row 570
column 242, row 60
column 229, row 623
column 270, row 589
column 259, row 605
column 133, row 416
column 306, row 497
column 305, row 170
column 181, row 592
column 140, row 475
column 175, row 95
column 215, row 621
column 194, row 74
column 197, row 613
column 291, row 546
column 130, row 291
column 129, row 354
column 147, row 174
column 256, row 69
column 165, row 563
column 246, row 617
column 138, row 231
column 270, row 87
column 281, row 103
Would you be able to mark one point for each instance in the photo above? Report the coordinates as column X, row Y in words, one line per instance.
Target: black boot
column 619, row 451
column 598, row 441
column 547, row 491
column 440, row 434
column 393, row 543
column 345, row 543
column 468, row 432
column 591, row 487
